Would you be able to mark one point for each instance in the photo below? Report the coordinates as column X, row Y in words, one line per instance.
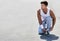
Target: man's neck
column 45, row 10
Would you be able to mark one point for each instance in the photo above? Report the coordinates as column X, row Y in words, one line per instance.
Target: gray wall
column 18, row 20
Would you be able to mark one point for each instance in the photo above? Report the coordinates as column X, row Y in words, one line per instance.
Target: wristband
column 41, row 26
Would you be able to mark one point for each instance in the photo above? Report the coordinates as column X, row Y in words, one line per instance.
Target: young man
column 46, row 19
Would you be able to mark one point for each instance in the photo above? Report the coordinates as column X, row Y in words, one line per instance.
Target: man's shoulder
column 38, row 10
column 50, row 9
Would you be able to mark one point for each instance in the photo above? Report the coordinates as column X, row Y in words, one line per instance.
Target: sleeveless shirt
column 43, row 15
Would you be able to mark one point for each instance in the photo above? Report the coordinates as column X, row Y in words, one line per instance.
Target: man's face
column 43, row 6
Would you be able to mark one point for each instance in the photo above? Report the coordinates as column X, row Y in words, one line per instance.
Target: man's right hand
column 44, row 30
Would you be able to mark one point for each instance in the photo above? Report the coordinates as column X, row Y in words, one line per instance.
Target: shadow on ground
column 50, row 37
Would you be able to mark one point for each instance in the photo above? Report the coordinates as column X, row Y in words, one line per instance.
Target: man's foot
column 47, row 33
column 41, row 33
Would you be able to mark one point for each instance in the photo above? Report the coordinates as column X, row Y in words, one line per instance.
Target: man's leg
column 49, row 23
column 40, row 31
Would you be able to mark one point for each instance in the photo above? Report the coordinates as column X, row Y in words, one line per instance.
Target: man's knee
column 49, row 18
column 49, row 22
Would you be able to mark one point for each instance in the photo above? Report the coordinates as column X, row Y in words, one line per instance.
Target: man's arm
column 53, row 18
column 39, row 17
column 40, row 20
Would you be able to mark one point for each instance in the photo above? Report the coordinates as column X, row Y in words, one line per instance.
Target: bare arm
column 53, row 18
column 39, row 17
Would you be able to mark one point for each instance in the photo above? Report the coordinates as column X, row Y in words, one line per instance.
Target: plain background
column 18, row 19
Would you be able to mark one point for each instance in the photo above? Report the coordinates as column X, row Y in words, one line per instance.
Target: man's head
column 44, row 4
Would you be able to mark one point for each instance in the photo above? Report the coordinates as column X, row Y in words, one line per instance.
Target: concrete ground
column 18, row 21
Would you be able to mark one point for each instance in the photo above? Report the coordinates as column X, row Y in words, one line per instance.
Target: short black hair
column 45, row 3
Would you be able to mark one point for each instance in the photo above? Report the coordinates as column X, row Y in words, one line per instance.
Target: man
column 46, row 19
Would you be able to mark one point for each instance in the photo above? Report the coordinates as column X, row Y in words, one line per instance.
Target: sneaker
column 41, row 33
column 47, row 33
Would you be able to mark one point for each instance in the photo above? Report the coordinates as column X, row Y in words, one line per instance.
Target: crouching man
column 46, row 19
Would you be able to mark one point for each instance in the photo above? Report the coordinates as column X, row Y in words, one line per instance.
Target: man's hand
column 51, row 28
column 44, row 30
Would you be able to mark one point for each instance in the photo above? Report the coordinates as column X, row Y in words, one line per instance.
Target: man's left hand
column 51, row 28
